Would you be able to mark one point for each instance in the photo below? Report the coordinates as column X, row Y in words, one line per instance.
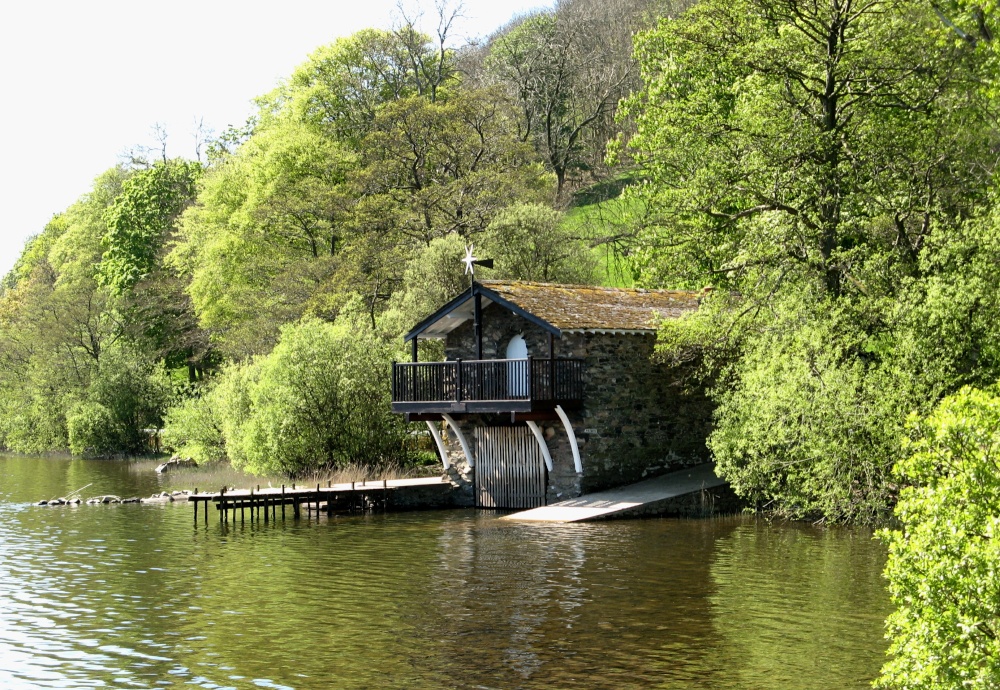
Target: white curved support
column 541, row 444
column 461, row 438
column 577, row 463
column 440, row 443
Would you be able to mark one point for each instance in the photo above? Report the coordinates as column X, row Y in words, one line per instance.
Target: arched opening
column 517, row 367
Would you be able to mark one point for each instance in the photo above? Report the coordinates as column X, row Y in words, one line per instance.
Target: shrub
column 944, row 559
column 93, row 430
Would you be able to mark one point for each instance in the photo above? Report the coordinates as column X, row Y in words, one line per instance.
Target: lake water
column 140, row 596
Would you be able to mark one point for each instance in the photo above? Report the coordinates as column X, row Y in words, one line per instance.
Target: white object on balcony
column 517, row 372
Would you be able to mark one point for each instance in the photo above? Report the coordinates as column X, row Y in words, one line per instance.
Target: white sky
column 86, row 80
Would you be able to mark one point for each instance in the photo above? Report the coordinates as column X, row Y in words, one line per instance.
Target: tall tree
column 803, row 158
column 141, row 219
column 567, row 69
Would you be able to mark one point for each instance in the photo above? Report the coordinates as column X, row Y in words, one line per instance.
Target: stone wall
column 499, row 326
column 638, row 420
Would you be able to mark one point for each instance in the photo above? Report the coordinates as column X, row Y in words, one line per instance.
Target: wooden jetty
column 632, row 499
column 265, row 504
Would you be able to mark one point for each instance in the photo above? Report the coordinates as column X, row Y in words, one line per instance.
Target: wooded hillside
column 829, row 169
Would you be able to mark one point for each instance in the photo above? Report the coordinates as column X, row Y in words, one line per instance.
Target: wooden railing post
column 552, row 378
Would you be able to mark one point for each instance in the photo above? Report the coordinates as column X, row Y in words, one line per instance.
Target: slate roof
column 564, row 308
column 587, row 308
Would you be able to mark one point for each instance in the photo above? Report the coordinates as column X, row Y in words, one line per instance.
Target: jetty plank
column 631, row 498
column 358, row 493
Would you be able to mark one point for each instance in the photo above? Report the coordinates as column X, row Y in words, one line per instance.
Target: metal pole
column 478, row 312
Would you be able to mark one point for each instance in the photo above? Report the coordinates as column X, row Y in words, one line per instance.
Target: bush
column 319, row 400
column 127, row 395
column 530, row 242
column 807, row 428
column 193, row 428
column 93, row 430
column 944, row 560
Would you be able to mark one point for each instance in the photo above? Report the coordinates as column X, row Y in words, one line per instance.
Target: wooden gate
column 510, row 471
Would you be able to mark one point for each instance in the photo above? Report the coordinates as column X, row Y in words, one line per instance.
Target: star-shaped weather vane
column 471, row 261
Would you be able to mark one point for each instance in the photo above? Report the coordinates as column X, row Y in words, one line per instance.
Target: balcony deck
column 486, row 386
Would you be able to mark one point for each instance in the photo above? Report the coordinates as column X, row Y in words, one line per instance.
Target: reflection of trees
column 605, row 605
column 429, row 600
column 798, row 606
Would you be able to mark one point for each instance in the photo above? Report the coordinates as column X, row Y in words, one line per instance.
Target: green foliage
column 943, row 559
column 141, row 218
column 318, row 400
column 530, row 242
column 125, row 399
column 433, row 276
column 828, row 202
column 804, row 425
column 35, row 253
column 321, row 400
column 93, row 430
column 802, row 142
column 433, row 168
column 266, row 236
column 343, row 85
column 566, row 69
column 192, row 427
column 134, row 390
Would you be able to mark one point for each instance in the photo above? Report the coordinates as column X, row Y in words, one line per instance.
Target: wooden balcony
column 493, row 385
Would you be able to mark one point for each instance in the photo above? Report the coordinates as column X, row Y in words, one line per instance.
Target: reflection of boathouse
column 549, row 391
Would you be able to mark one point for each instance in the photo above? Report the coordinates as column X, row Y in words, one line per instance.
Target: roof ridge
column 565, row 286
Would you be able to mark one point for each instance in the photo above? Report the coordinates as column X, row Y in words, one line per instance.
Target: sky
column 84, row 82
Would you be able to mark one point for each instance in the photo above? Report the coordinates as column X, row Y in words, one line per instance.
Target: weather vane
column 471, row 261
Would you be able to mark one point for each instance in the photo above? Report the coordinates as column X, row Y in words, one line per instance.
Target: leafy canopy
column 944, row 559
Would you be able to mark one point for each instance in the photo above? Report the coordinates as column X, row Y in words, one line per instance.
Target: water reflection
column 138, row 596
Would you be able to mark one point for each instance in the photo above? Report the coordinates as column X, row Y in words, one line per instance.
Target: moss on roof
column 585, row 307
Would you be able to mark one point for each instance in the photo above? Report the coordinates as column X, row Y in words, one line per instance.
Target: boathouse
column 550, row 391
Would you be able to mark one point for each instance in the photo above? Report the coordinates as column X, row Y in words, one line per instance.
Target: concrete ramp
column 637, row 498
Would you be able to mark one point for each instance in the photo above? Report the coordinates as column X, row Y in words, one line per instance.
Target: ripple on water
column 138, row 596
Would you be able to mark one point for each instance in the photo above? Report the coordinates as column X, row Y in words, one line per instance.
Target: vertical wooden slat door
column 510, row 471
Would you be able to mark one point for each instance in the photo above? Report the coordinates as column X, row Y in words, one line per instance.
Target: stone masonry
column 637, row 419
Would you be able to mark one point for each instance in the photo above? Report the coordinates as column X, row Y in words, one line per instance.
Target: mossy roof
column 564, row 308
column 585, row 307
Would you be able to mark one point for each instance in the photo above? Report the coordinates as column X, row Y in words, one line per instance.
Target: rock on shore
column 162, row 497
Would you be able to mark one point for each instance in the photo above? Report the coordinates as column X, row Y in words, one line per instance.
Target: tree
column 126, row 398
column 567, row 69
column 192, row 427
column 530, row 242
column 141, row 218
column 430, row 169
column 266, row 234
column 318, row 400
column 942, row 567
column 806, row 160
column 344, row 84
column 783, row 139
column 54, row 325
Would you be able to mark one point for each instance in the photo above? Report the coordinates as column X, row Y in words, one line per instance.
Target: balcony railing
column 486, row 385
